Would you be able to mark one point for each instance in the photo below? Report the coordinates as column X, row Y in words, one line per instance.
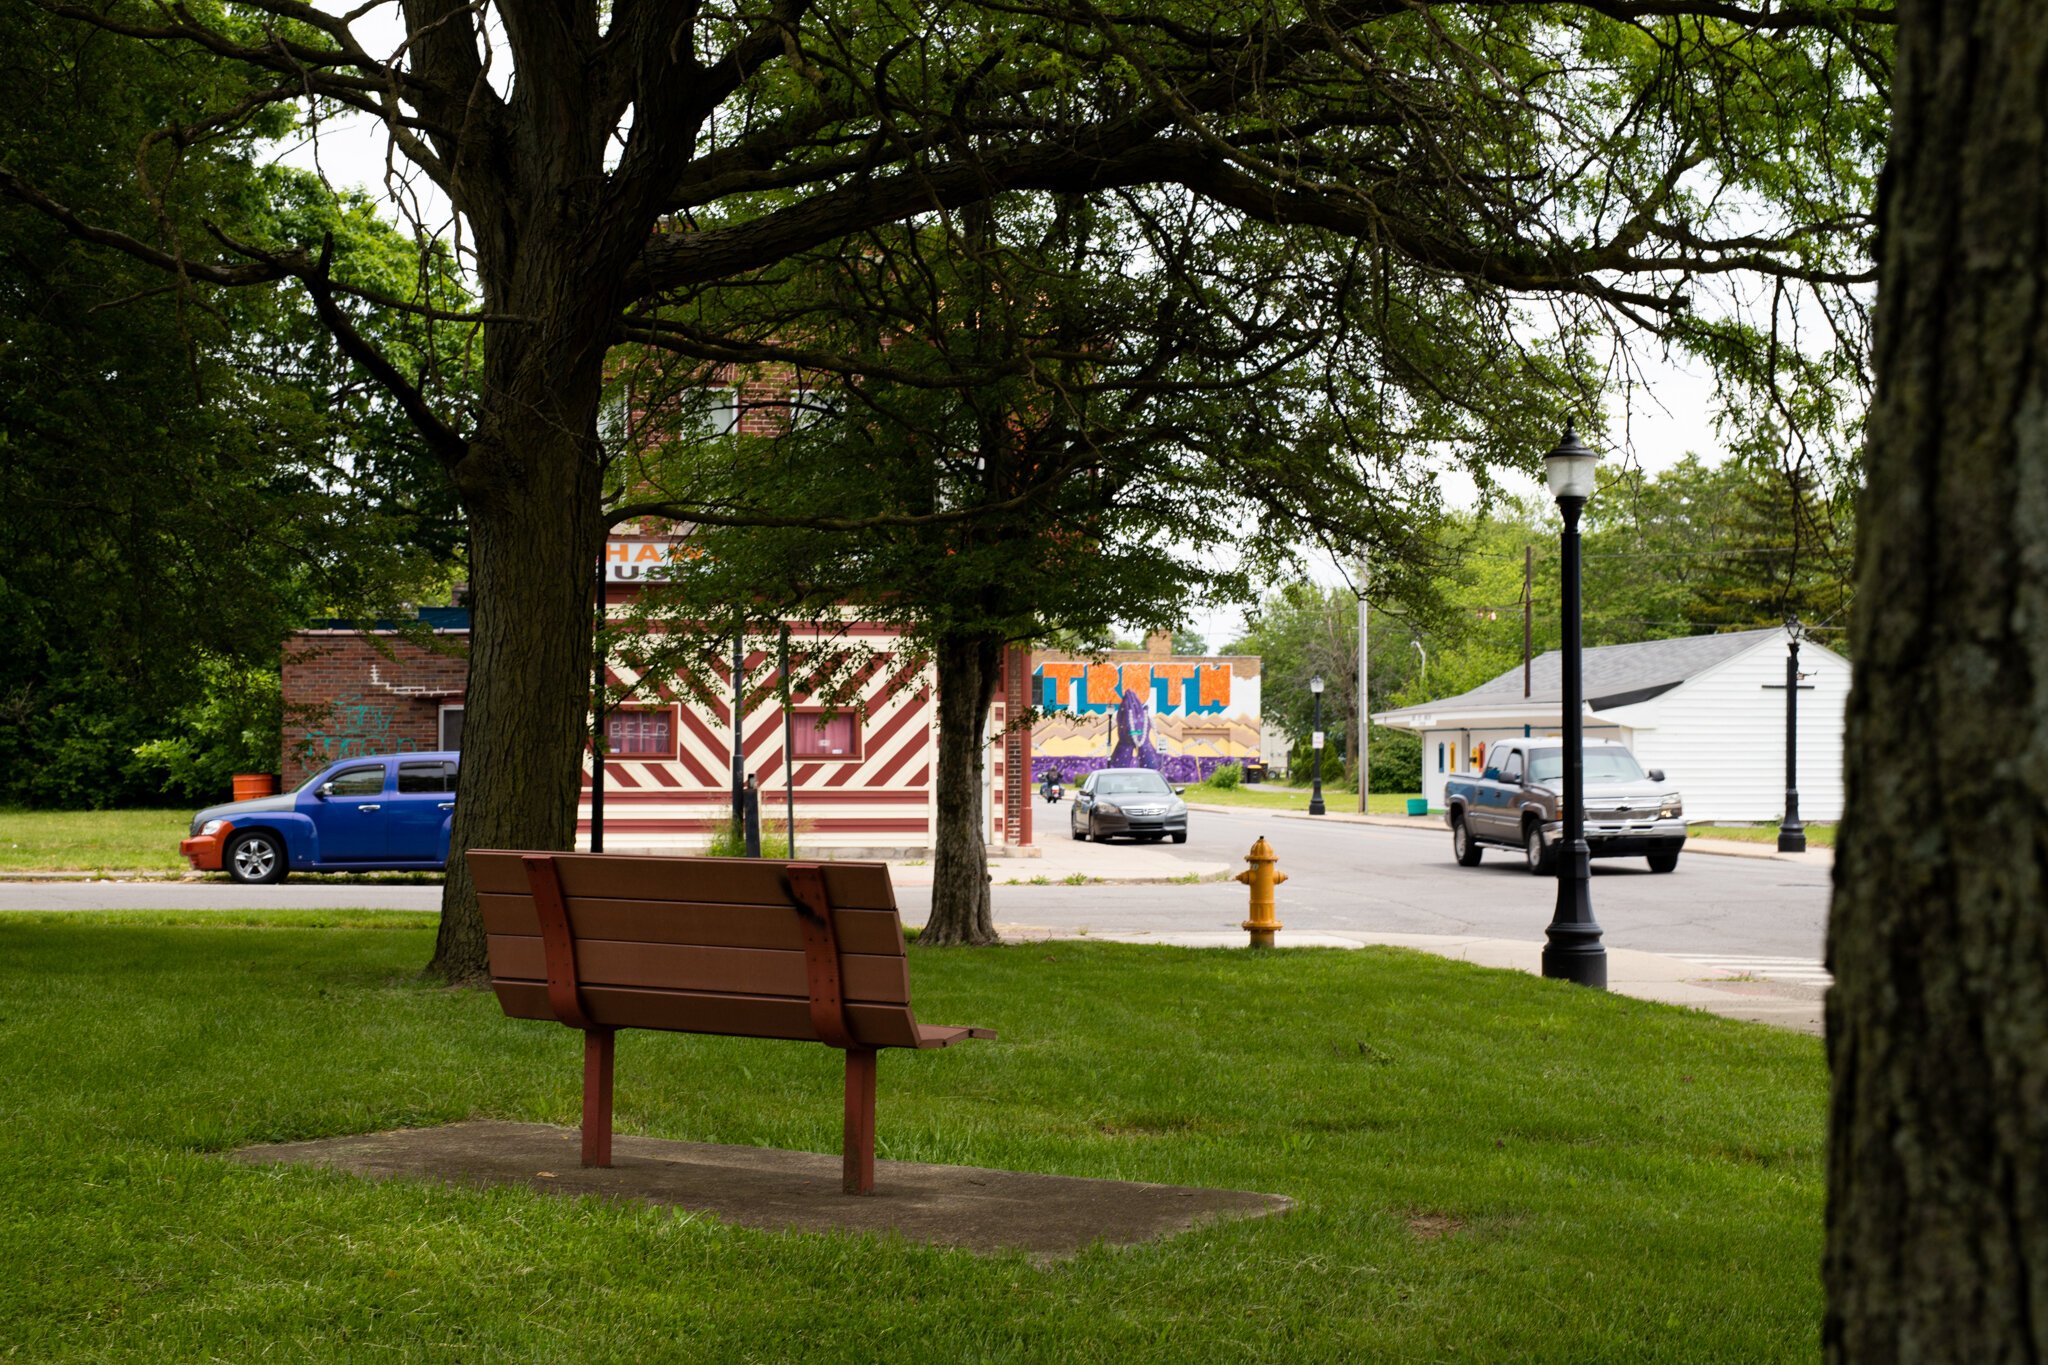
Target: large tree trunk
column 1937, row 1224
column 532, row 541
column 532, row 489
column 968, row 669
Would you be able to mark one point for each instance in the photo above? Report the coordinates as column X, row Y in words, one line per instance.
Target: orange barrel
column 249, row 786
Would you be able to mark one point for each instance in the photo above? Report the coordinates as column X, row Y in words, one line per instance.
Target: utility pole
column 1364, row 694
column 739, row 698
column 597, row 726
column 1528, row 607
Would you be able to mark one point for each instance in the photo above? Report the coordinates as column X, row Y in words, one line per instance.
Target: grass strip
column 1490, row 1166
column 1817, row 836
column 1260, row 797
column 92, row 840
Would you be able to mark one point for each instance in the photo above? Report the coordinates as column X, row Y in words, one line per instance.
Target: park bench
column 738, row 946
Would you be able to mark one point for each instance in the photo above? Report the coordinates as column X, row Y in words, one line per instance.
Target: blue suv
column 359, row 815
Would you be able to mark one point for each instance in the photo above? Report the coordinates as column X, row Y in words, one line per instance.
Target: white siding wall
column 1720, row 737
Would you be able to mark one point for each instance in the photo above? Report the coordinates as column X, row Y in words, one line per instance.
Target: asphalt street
column 1374, row 878
column 1341, row 877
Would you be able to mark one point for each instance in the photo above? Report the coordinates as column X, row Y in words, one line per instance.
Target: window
column 720, row 413
column 451, row 729
column 1511, row 767
column 431, row 776
column 641, row 732
column 816, row 735
column 1439, row 758
column 807, row 407
column 358, row 782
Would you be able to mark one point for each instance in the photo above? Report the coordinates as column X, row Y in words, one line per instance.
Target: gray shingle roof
column 1615, row 675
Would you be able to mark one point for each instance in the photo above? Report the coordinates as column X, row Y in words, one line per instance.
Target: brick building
column 864, row 771
column 350, row 692
column 863, row 775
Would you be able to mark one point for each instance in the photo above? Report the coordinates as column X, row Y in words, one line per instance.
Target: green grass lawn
column 92, row 840
column 1817, row 836
column 1261, row 798
column 1489, row 1166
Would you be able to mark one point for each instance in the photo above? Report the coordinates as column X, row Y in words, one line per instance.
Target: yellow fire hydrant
column 1262, row 876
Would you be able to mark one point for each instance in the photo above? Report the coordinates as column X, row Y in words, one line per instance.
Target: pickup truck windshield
column 1546, row 766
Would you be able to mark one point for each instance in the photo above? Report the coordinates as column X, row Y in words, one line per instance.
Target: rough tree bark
column 535, row 526
column 968, row 668
column 1937, row 1224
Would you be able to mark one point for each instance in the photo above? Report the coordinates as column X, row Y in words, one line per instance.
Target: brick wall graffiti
column 341, row 700
column 355, row 726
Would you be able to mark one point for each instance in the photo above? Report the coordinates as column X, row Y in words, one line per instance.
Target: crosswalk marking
column 1801, row 971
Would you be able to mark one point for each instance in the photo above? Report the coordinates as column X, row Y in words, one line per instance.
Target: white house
column 1707, row 709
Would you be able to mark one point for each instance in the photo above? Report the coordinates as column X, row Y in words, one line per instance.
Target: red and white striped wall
column 879, row 797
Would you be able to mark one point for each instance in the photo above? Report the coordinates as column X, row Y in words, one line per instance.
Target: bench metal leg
column 597, row 1096
column 859, row 1168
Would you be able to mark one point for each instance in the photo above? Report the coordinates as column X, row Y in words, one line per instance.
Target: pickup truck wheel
column 1468, row 852
column 1663, row 862
column 255, row 859
column 1539, row 855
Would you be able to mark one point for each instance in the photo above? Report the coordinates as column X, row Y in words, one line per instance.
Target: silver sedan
column 1129, row 801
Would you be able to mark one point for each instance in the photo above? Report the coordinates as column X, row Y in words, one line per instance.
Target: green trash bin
column 1418, row 805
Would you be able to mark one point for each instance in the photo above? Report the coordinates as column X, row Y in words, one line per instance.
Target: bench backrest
column 698, row 945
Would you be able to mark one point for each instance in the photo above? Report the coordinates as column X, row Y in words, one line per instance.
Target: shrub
column 1396, row 760
column 1226, row 776
column 728, row 841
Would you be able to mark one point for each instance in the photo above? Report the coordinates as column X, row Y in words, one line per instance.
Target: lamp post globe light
column 1315, row 800
column 1572, row 950
column 1792, row 834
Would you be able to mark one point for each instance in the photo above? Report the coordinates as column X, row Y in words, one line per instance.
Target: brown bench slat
column 875, row 932
column 693, row 967
column 745, row 1016
column 729, row 881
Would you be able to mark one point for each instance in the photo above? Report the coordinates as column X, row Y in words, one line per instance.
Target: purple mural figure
column 1134, row 747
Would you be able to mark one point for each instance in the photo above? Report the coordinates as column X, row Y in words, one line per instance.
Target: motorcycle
column 1053, row 792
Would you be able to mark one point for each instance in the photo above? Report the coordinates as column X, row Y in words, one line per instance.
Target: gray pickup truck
column 1515, row 803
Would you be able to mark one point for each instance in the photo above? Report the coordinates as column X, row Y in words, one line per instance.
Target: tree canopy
column 1558, row 170
column 186, row 476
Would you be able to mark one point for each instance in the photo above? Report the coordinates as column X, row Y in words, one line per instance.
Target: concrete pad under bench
column 1047, row 1216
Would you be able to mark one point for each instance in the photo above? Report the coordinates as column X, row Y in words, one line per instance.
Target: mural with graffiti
column 1181, row 717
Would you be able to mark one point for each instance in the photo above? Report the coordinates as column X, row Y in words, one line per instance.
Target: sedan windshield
column 1602, row 765
column 1132, row 784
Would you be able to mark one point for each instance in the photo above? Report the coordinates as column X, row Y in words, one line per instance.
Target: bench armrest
column 942, row 1035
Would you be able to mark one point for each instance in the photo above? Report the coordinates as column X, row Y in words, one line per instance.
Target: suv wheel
column 255, row 859
column 1533, row 846
column 1468, row 852
column 1663, row 862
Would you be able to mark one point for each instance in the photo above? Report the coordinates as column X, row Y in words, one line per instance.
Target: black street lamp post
column 1792, row 834
column 1315, row 800
column 1573, row 951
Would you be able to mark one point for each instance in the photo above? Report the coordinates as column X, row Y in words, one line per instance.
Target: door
column 418, row 811
column 350, row 817
column 1506, row 808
